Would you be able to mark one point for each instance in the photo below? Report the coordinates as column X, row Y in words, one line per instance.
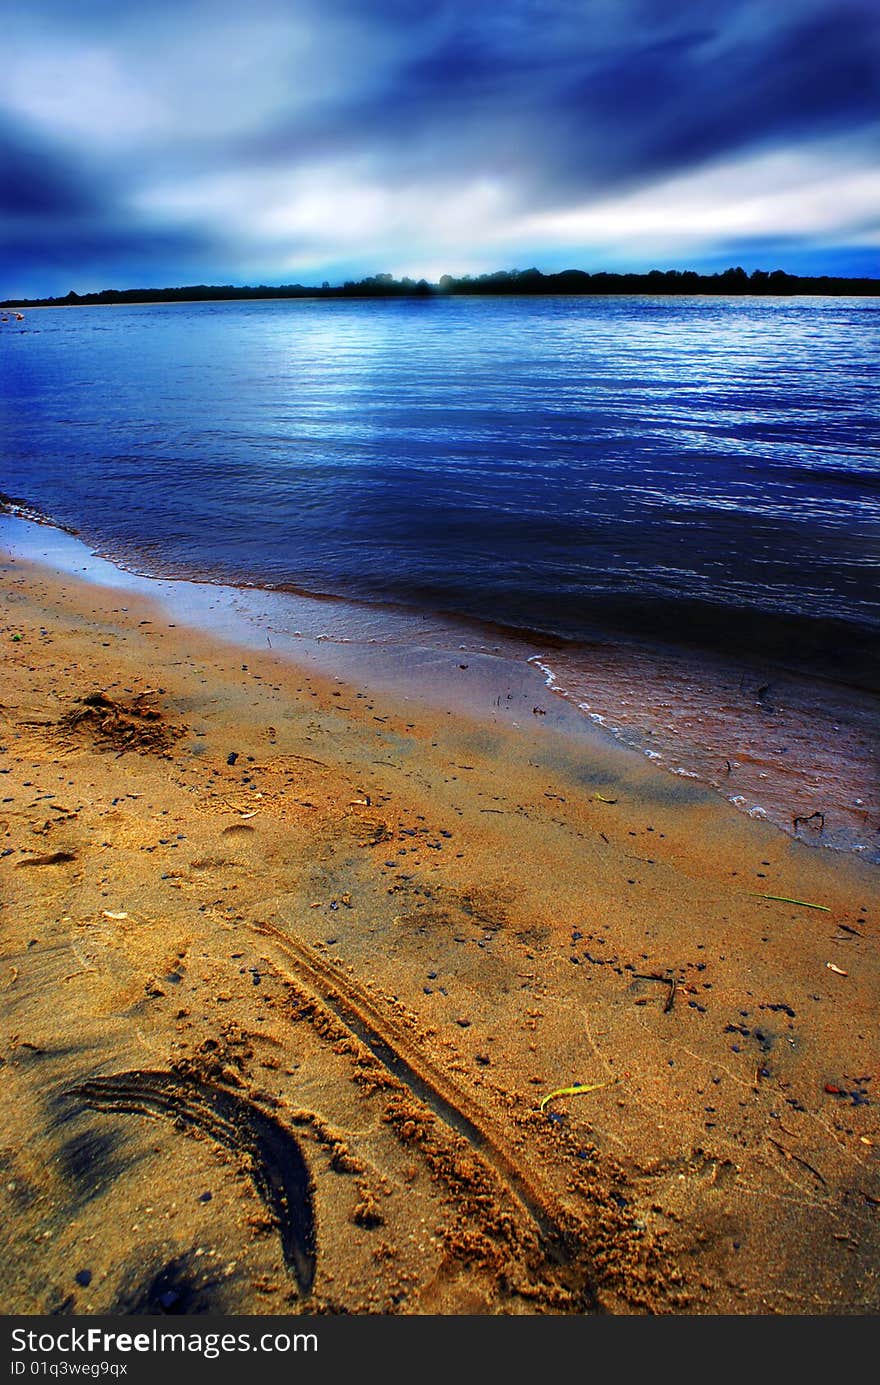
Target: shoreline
column 275, row 906
column 798, row 750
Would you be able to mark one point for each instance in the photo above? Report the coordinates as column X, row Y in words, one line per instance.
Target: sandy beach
column 291, row 968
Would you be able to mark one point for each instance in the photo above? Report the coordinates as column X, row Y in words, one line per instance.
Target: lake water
column 672, row 505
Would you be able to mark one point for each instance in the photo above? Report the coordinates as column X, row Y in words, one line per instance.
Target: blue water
column 693, row 469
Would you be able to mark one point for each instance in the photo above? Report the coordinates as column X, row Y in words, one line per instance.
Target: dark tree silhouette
column 510, row 283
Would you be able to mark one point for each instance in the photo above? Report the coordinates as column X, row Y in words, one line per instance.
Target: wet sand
column 289, row 965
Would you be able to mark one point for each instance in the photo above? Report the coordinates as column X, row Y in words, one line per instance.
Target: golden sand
column 289, row 971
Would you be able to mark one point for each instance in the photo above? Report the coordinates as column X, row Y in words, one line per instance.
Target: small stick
column 669, row 981
column 807, row 820
column 798, row 1160
column 670, row 999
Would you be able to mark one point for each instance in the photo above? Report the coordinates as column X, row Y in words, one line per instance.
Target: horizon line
column 572, row 282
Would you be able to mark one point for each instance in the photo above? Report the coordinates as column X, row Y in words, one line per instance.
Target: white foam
column 550, row 680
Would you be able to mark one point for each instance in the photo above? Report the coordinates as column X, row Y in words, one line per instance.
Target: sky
column 210, row 141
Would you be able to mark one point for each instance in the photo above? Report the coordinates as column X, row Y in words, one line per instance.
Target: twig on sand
column 670, row 999
column 808, row 819
column 798, row 1160
column 669, row 981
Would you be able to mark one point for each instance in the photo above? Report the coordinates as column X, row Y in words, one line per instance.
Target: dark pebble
column 232, row 757
column 84, row 1278
column 206, row 1197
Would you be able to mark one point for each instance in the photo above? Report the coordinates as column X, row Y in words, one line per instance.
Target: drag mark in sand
column 270, row 1152
column 430, row 1086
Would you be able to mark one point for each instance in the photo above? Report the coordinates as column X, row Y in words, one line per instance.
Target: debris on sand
column 121, row 726
column 576, row 1089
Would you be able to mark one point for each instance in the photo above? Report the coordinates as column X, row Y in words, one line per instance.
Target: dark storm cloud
column 588, row 109
column 672, row 104
column 144, row 255
column 38, row 182
column 58, row 216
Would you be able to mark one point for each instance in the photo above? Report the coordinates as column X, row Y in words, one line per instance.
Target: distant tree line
column 514, row 282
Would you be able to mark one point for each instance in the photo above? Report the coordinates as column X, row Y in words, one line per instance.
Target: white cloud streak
column 322, row 214
column 817, row 193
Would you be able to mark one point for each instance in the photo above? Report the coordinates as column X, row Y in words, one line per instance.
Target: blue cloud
column 147, row 130
column 38, row 182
